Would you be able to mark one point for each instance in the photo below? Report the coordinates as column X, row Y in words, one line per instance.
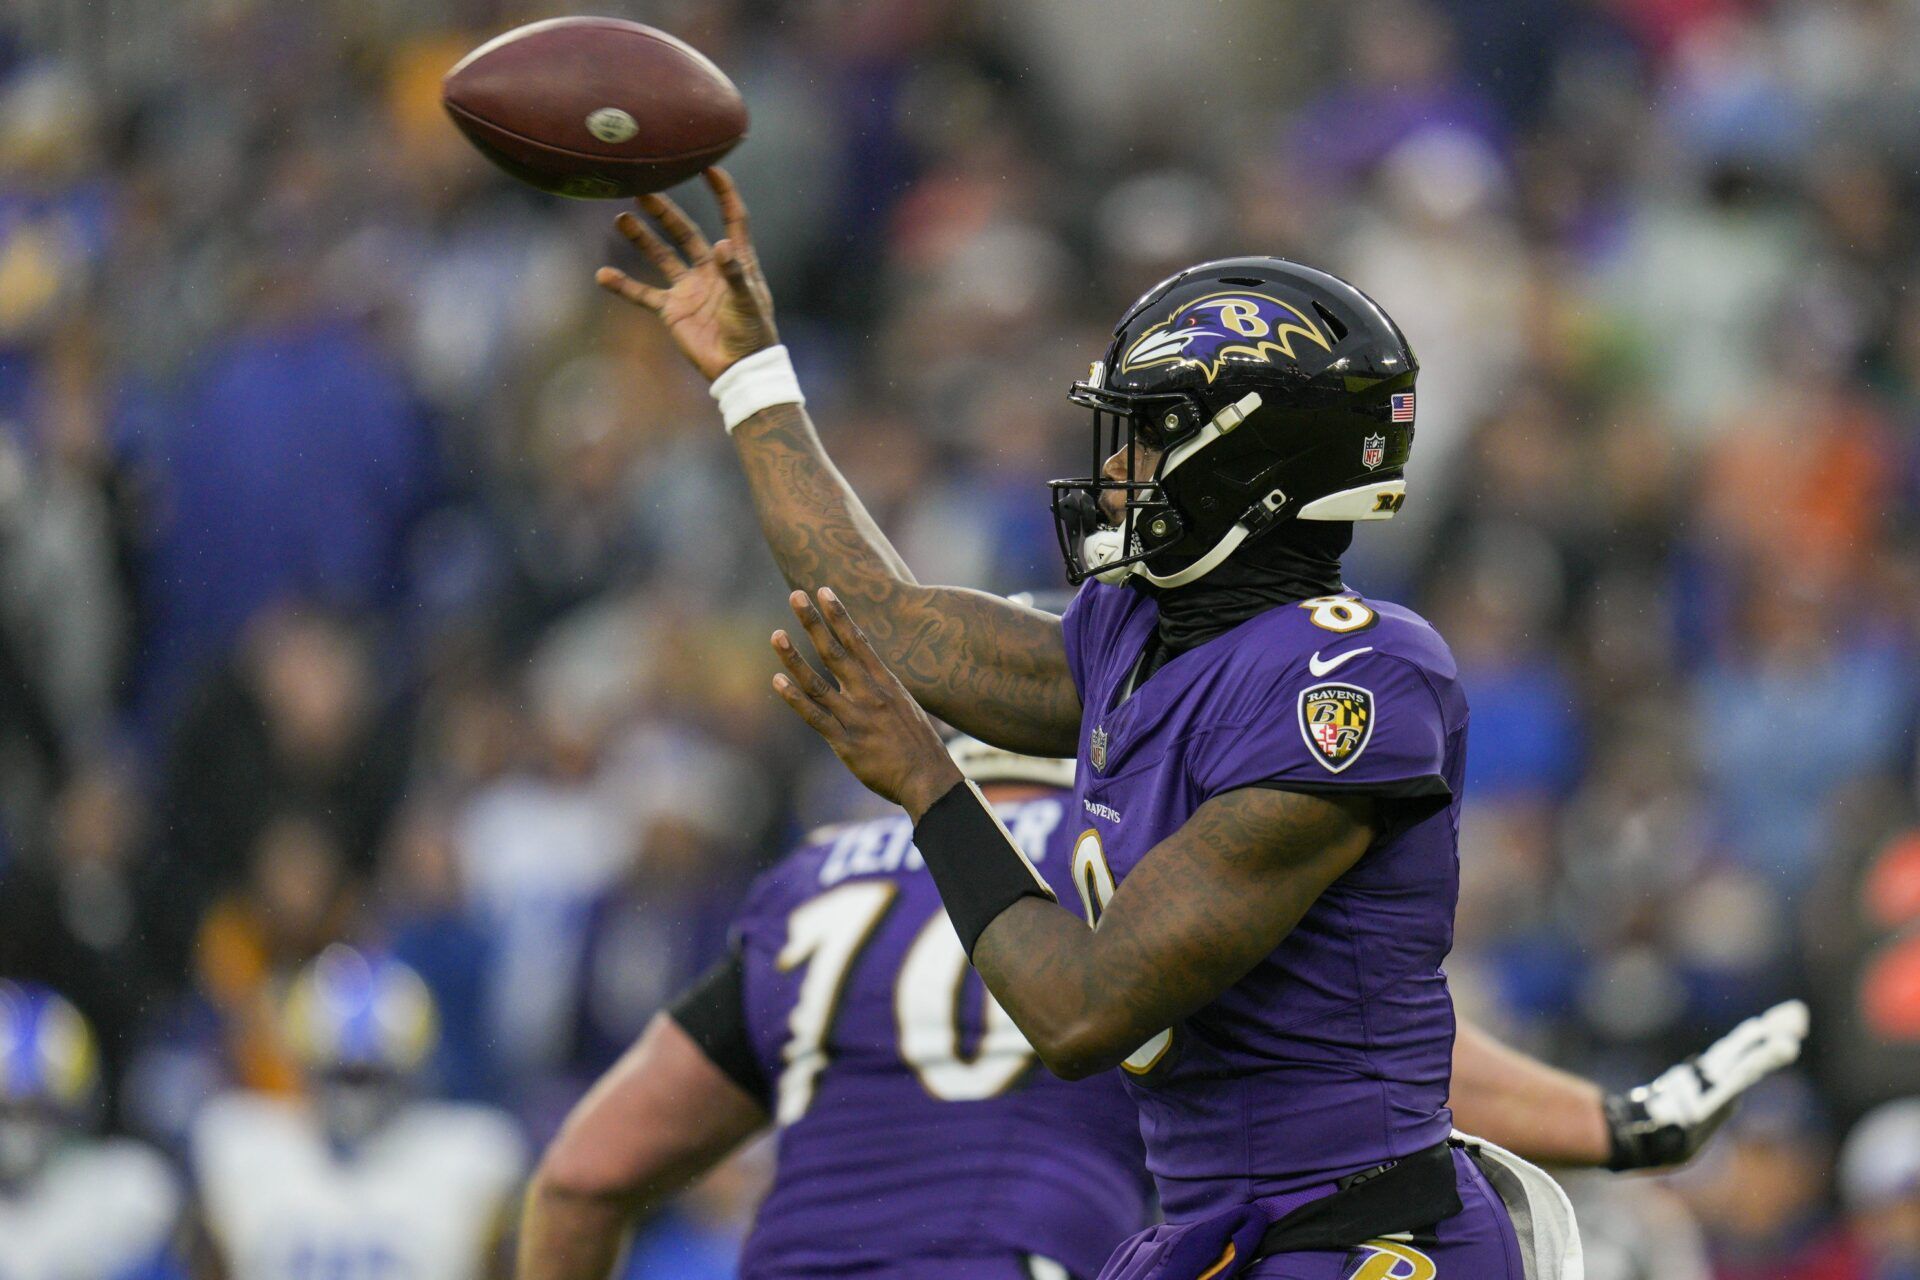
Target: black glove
column 1665, row 1122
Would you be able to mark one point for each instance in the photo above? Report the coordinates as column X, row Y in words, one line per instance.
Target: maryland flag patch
column 1336, row 720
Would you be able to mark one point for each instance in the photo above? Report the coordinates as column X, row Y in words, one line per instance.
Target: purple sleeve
column 1375, row 727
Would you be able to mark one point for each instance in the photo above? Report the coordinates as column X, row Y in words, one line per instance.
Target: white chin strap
column 1104, row 547
column 1366, row 502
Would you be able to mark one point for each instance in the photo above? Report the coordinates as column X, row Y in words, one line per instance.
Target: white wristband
column 753, row 383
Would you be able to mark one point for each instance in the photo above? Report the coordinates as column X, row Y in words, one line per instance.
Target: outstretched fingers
column 733, row 210
column 844, row 666
column 644, row 238
column 811, row 682
column 679, row 228
column 850, row 636
column 734, row 253
column 816, row 716
column 616, row 281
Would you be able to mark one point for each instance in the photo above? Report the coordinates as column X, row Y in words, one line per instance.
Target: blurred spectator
column 1401, row 79
column 421, row 906
column 1861, row 930
column 1761, row 1191
column 63, row 606
column 71, row 1205
column 1880, row 1182
column 362, row 1178
column 294, row 902
column 296, row 721
column 75, row 922
column 537, row 847
column 1634, row 1229
column 64, row 609
column 297, row 464
column 652, row 933
column 1795, row 674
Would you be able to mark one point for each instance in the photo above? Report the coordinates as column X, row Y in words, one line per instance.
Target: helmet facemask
column 354, row 1103
column 1177, row 426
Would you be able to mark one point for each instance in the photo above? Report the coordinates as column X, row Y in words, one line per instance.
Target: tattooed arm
column 1202, row 907
column 1200, row 910
column 981, row 663
column 985, row 665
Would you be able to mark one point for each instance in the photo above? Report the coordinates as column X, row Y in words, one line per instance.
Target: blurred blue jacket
column 295, row 464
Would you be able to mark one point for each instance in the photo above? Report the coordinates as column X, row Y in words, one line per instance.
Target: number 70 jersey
column 915, row 1121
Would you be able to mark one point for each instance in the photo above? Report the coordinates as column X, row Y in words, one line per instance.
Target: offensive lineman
column 916, row 1138
column 1270, row 764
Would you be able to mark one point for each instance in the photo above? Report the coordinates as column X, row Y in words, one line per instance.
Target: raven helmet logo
column 1373, row 451
column 1336, row 720
column 1208, row 333
column 1097, row 748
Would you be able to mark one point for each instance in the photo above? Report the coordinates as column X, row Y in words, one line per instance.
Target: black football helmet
column 1273, row 391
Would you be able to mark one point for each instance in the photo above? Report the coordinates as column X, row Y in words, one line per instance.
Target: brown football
column 594, row 107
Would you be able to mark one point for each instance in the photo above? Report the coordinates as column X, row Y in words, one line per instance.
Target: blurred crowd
column 366, row 575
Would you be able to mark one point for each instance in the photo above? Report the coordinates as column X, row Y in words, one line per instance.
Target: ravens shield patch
column 1336, row 720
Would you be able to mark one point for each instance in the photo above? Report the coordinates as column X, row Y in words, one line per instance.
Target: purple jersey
column 915, row 1122
column 1333, row 1054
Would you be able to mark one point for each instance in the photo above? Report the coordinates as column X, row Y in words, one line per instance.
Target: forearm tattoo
column 983, row 664
column 1199, row 911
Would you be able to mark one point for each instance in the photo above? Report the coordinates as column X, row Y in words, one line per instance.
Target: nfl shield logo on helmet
column 1336, row 720
column 1097, row 749
column 1373, row 451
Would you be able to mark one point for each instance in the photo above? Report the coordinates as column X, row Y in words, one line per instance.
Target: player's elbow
column 1074, row 1068
column 1081, row 1048
column 576, row 1171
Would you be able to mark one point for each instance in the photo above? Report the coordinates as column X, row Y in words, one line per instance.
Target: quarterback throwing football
column 1270, row 768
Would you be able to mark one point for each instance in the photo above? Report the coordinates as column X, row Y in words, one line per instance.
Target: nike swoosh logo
column 1320, row 668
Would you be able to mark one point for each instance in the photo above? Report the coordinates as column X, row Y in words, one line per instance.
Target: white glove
column 1665, row 1122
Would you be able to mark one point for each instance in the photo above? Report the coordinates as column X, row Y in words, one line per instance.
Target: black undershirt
column 1295, row 561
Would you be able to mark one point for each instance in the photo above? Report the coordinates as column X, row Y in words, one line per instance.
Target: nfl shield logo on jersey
column 1097, row 749
column 1336, row 720
column 1373, row 451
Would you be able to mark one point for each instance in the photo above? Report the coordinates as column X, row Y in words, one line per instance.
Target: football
column 594, row 108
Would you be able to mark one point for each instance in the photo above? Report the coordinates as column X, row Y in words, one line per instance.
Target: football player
column 1271, row 764
column 915, row 1138
column 71, row 1206
column 365, row 1179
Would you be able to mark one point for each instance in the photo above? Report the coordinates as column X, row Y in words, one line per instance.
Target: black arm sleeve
column 713, row 1012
